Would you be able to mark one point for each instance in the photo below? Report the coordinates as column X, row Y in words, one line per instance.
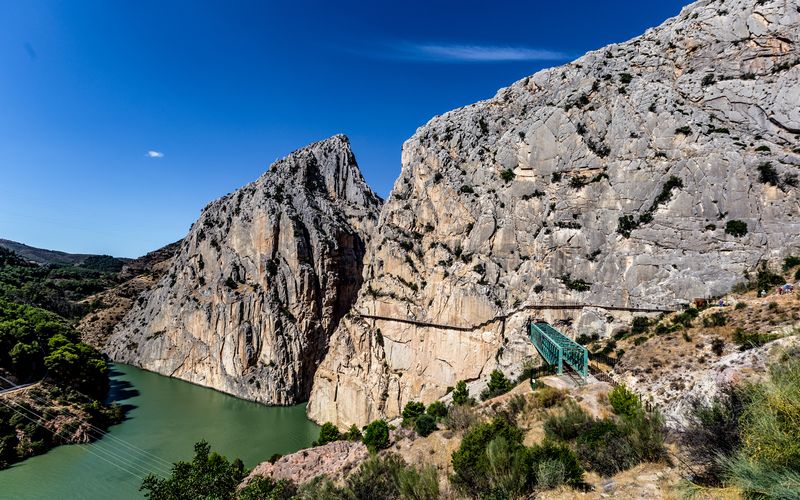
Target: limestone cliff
column 640, row 175
column 108, row 307
column 260, row 282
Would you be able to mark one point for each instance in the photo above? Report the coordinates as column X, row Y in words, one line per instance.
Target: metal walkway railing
column 557, row 349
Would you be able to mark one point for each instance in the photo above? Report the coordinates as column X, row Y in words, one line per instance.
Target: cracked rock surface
column 609, row 181
column 260, row 282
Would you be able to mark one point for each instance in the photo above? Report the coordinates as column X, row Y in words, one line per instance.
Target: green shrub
column 461, row 394
column 353, row 434
column 498, row 384
column 547, row 397
column 624, row 401
column 412, row 410
column 626, row 224
column 471, row 466
column 375, row 478
column 715, row 319
column 261, row 487
column 327, row 434
column 424, row 425
column 717, row 346
column 554, row 464
column 767, row 174
column 602, row 447
column 507, row 175
column 567, row 424
column 376, row 435
column 577, row 285
column 418, row 484
column 746, row 340
column 208, row 475
column 639, row 325
column 437, row 410
column 748, row 436
column 736, row 228
column 790, row 262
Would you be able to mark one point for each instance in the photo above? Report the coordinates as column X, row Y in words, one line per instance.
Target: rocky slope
column 260, row 282
column 112, row 305
column 641, row 175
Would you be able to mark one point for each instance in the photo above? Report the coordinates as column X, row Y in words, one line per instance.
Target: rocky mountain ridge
column 260, row 282
column 641, row 175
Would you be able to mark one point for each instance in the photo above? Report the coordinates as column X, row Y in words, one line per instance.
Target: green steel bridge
column 557, row 349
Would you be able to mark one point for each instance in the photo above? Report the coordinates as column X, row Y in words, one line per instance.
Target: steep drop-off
column 260, row 282
column 641, row 175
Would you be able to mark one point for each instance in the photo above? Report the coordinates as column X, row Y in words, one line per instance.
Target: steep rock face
column 260, row 281
column 608, row 181
column 136, row 276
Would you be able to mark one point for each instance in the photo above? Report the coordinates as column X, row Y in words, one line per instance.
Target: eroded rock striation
column 641, row 175
column 135, row 277
column 260, row 282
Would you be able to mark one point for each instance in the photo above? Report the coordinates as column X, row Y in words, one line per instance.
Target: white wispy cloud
column 470, row 53
column 154, row 154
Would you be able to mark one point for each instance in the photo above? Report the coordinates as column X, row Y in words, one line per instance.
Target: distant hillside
column 104, row 263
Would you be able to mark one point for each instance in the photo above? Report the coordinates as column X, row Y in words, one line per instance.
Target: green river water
column 166, row 417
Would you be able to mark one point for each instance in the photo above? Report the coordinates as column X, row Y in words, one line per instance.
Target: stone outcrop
column 135, row 277
column 260, row 282
column 333, row 460
column 641, row 175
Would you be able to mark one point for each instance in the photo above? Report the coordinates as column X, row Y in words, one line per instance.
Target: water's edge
column 165, row 416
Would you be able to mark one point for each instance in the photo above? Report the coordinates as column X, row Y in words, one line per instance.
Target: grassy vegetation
column 611, row 445
column 749, row 436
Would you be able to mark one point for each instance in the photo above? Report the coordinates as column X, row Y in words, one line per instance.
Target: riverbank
column 164, row 418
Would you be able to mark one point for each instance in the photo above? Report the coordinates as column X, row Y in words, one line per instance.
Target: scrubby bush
column 790, row 262
column 611, row 445
column 460, row 417
column 437, row 410
column 640, row 324
column 717, row 346
column 736, row 228
column 624, row 401
column 749, row 435
column 554, row 464
column 353, row 434
column 424, row 425
column 327, row 434
column 498, row 384
column 461, row 394
column 376, row 435
column 411, row 411
column 471, row 463
column 567, row 424
column 547, row 397
column 715, row 319
column 261, row 488
column 767, row 174
column 746, row 340
column 507, row 175
column 208, row 475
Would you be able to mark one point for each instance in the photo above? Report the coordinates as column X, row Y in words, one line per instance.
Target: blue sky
column 121, row 120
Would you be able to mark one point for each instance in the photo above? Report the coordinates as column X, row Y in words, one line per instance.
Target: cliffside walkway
column 502, row 317
column 557, row 349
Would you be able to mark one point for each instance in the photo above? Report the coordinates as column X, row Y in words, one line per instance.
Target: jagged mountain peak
column 260, row 281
